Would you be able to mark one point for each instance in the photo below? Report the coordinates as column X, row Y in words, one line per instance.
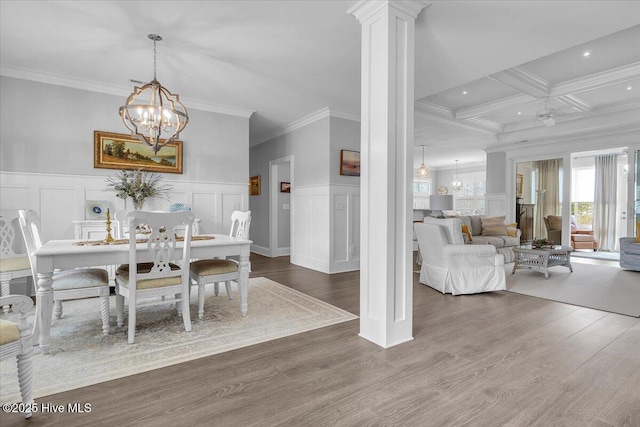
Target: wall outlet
column 285, row 207
column 339, row 206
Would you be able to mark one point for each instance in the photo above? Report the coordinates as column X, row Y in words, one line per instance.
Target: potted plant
column 139, row 185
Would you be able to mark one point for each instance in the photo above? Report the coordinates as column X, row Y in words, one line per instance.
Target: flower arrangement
column 542, row 243
column 139, row 185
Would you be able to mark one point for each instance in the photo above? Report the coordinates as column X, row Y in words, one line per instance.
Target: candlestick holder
column 109, row 238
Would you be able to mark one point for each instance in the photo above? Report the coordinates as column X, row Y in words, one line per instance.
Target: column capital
column 364, row 9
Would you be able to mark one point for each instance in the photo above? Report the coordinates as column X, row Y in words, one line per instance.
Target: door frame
column 274, row 191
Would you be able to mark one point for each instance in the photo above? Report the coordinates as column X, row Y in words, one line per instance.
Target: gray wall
column 496, row 172
column 284, row 215
column 344, row 135
column 49, row 129
column 309, row 147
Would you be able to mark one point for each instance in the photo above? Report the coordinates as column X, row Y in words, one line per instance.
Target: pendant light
column 456, row 184
column 423, row 171
column 152, row 113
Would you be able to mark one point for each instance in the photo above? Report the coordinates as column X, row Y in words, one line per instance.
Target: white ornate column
column 386, row 278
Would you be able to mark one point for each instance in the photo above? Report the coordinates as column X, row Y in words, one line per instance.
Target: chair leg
column 200, row 300
column 57, row 309
column 228, row 286
column 178, row 297
column 186, row 315
column 104, row 310
column 5, row 289
column 216, row 288
column 132, row 320
column 119, row 308
column 25, row 379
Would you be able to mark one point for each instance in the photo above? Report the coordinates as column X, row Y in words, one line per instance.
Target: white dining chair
column 220, row 270
column 159, row 277
column 15, row 341
column 68, row 284
column 14, row 264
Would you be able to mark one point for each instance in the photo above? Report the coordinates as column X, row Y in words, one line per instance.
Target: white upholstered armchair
column 450, row 266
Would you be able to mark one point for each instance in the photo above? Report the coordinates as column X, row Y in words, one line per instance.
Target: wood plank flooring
column 480, row 360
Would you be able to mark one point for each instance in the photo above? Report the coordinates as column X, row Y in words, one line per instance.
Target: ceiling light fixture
column 519, row 112
column 587, row 53
column 464, row 92
column 629, row 87
column 152, row 111
column 456, row 184
column 423, row 171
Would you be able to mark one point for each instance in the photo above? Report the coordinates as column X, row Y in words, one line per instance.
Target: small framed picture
column 96, row 209
column 254, row 185
column 349, row 163
column 519, row 181
column 285, row 187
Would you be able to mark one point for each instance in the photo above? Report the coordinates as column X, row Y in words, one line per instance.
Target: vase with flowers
column 139, row 185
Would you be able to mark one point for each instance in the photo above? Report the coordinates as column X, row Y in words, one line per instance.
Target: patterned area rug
column 82, row 356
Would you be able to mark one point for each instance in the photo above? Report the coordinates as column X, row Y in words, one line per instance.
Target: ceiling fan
column 548, row 114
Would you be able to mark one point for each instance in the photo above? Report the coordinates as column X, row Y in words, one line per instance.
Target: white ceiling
column 287, row 59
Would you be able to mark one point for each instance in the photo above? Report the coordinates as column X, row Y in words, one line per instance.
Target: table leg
column 44, row 310
column 243, row 283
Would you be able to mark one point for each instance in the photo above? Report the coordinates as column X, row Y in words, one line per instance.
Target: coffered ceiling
column 594, row 82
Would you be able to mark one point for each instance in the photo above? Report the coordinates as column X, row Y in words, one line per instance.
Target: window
column 582, row 189
column 470, row 199
column 422, row 187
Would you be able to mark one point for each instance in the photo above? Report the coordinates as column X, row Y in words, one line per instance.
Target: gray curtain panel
column 605, row 202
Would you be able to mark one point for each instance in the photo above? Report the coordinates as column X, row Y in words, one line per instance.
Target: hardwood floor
column 481, row 360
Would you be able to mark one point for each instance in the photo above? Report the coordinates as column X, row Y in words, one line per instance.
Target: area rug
column 79, row 349
column 594, row 286
column 608, row 256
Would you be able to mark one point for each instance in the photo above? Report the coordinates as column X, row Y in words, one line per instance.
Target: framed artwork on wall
column 519, row 182
column 122, row 151
column 254, row 185
column 349, row 163
column 285, row 187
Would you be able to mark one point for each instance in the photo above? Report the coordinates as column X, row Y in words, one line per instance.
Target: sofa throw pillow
column 465, row 230
column 476, row 225
column 512, row 229
column 493, row 226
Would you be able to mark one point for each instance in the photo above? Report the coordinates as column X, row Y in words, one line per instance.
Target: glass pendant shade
column 456, row 184
column 152, row 113
column 423, row 171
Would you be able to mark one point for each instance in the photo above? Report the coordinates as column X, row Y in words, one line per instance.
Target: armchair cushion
column 14, row 264
column 9, row 332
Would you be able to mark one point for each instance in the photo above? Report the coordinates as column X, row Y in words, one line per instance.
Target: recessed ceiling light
column 464, row 92
column 629, row 88
column 519, row 112
column 587, row 53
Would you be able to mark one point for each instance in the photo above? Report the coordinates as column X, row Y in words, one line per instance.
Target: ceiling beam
column 597, row 80
column 488, row 107
column 523, row 80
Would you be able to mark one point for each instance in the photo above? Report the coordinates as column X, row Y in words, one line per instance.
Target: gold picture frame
column 254, row 185
column 519, row 182
column 122, row 151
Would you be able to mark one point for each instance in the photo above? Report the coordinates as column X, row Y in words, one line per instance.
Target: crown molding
column 574, row 102
column 307, row 120
column 631, row 129
column 93, row 86
column 487, row 124
column 488, row 107
column 365, row 9
column 597, row 80
column 523, row 80
column 444, row 115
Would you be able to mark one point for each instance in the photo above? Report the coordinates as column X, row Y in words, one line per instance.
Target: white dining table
column 65, row 255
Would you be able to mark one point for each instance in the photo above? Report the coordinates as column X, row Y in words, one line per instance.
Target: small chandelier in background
column 152, row 112
column 456, row 184
column 423, row 171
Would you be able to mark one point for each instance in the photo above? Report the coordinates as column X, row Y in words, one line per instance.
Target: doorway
column 280, row 205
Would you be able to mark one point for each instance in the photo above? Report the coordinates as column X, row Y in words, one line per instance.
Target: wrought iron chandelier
column 152, row 113
column 423, row 171
column 456, row 184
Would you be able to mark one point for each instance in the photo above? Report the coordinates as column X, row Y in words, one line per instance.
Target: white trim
column 307, row 120
column 94, row 86
column 274, row 250
column 597, row 80
column 261, row 250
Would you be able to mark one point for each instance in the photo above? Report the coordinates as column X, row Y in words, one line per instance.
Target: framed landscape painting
column 349, row 163
column 122, row 151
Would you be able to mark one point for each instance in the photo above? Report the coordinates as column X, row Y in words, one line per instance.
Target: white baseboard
column 261, row 250
column 282, row 252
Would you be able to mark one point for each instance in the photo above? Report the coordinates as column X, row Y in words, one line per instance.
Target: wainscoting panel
column 496, row 204
column 345, row 228
column 310, row 228
column 60, row 199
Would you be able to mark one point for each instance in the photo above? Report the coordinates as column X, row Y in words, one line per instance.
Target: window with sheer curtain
column 470, row 199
